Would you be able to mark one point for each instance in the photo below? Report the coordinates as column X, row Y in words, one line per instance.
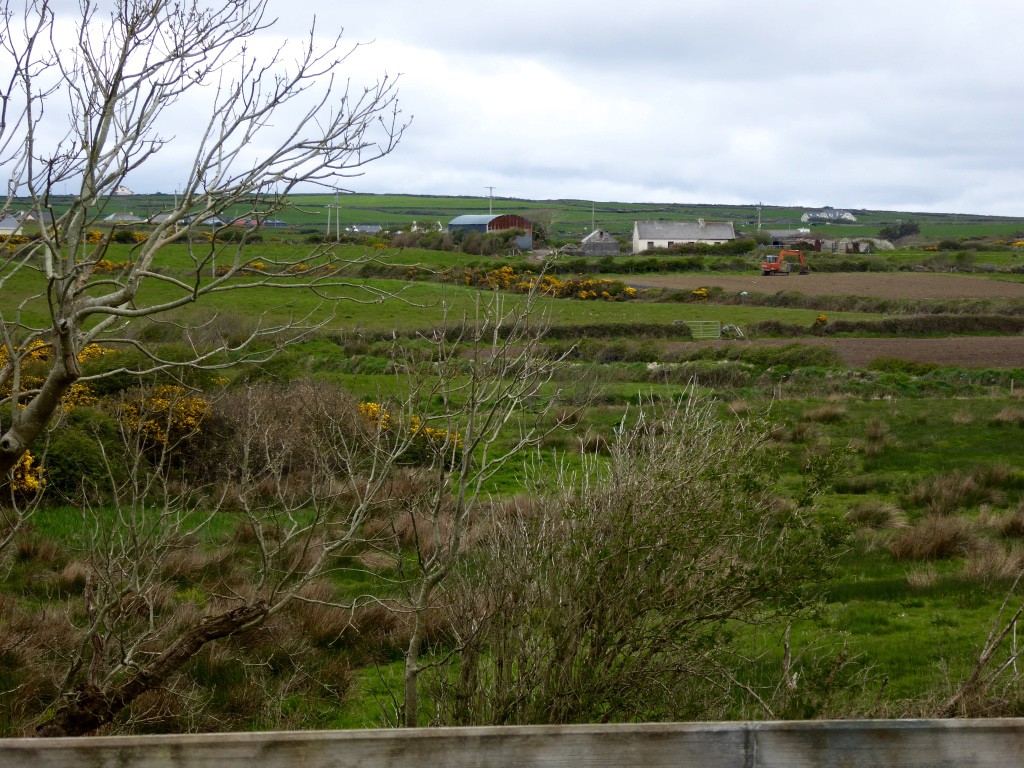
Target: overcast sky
column 902, row 104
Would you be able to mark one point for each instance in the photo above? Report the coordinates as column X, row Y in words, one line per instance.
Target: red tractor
column 783, row 263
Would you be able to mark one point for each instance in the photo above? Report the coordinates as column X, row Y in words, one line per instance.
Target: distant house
column 37, row 217
column 123, row 218
column 648, row 235
column 599, row 243
column 9, row 226
column 495, row 223
column 209, row 221
column 365, row 229
column 828, row 215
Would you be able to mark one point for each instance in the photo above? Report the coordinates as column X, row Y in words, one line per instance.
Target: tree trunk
column 90, row 707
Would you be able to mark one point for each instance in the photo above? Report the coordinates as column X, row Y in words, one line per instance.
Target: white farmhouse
column 648, row 235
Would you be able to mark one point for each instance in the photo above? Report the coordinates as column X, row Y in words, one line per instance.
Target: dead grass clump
column 877, row 430
column 934, row 538
column 922, row 577
column 946, row 493
column 1008, row 417
column 800, row 432
column 962, row 418
column 990, row 562
column 194, row 562
column 73, row 577
column 568, row 418
column 739, row 407
column 1011, row 526
column 830, row 413
column 592, row 442
column 35, row 549
column 316, row 616
column 875, row 514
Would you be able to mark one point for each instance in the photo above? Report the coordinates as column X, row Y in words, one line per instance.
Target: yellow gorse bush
column 166, row 415
column 577, row 287
column 27, row 477
column 78, row 396
column 379, row 416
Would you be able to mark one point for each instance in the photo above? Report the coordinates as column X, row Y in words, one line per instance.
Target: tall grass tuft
column 934, row 538
column 875, row 514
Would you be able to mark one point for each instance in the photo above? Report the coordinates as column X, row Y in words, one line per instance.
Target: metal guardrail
column 851, row 744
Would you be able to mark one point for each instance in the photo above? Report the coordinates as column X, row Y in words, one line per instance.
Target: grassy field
column 930, row 483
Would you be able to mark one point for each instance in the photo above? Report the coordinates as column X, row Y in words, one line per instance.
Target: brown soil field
column 888, row 285
column 964, row 351
column 961, row 351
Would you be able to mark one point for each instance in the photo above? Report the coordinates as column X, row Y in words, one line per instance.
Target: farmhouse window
column 650, row 244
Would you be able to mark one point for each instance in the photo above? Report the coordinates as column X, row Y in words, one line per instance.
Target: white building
column 648, row 235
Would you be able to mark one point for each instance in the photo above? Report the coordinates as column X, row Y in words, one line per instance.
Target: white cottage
column 648, row 235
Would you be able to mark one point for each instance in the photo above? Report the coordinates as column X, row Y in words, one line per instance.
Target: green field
column 926, row 486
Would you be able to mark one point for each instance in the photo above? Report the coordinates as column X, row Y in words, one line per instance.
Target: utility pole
column 490, row 199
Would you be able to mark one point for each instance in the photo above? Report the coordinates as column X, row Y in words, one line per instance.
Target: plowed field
column 960, row 351
column 964, row 351
column 888, row 285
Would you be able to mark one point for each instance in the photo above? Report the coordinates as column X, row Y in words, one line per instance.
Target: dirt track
column 895, row 285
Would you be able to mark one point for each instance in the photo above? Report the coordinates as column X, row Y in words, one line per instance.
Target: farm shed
column 648, row 235
column 599, row 243
column 494, row 223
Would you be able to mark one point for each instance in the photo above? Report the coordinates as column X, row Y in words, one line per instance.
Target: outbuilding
column 648, row 235
column 599, row 243
column 488, row 222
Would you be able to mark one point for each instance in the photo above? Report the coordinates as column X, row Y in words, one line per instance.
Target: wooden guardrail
column 852, row 744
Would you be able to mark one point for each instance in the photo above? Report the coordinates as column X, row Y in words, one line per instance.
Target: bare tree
column 83, row 112
column 481, row 398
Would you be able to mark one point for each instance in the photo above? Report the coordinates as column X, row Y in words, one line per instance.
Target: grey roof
column 469, row 219
column 598, row 236
column 685, row 230
column 9, row 224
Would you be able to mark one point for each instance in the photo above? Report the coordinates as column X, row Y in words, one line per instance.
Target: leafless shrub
column 934, row 538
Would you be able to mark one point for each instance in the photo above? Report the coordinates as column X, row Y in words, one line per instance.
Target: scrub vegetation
column 653, row 528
